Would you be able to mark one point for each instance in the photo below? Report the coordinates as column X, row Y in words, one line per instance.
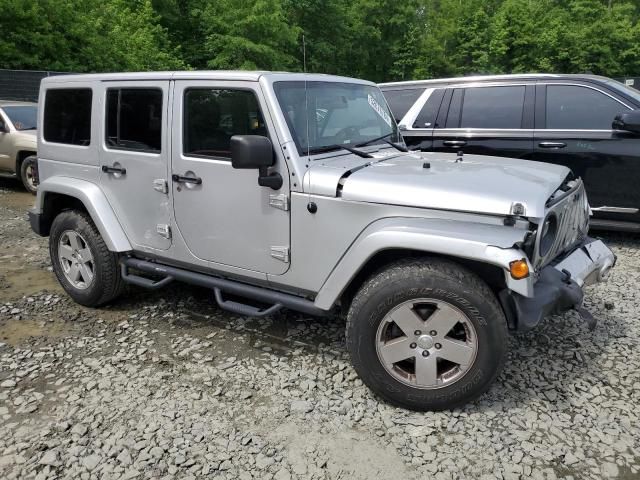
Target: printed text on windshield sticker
column 379, row 110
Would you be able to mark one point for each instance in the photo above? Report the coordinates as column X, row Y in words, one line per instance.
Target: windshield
column 22, row 117
column 333, row 114
column 629, row 91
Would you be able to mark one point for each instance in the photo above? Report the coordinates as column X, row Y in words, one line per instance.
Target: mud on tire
column 392, row 317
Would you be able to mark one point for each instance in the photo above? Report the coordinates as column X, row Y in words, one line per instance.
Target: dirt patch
column 16, row 331
column 17, row 282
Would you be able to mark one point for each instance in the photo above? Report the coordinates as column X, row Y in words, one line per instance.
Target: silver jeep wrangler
column 280, row 190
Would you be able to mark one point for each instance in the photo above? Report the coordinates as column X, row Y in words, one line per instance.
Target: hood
column 478, row 183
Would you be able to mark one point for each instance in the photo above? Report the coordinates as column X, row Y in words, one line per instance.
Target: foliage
column 380, row 40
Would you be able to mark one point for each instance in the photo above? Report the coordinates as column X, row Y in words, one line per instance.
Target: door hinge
column 161, row 185
column 163, row 230
column 280, row 253
column 279, row 201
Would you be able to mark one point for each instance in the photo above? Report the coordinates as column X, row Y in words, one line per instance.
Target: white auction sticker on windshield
column 379, row 110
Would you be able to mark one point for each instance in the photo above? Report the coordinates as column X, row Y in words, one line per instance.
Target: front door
column 134, row 154
column 222, row 213
column 6, row 164
column 575, row 130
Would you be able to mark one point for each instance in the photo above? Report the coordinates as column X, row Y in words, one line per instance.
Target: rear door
column 487, row 120
column 134, row 154
column 573, row 128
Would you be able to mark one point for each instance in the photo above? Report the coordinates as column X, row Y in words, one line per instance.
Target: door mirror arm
column 266, row 179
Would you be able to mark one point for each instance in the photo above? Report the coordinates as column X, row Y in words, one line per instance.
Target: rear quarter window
column 67, row 116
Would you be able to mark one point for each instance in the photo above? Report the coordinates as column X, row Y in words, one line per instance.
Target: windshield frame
column 9, row 112
column 323, row 149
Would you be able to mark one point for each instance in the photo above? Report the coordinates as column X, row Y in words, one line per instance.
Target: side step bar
column 219, row 285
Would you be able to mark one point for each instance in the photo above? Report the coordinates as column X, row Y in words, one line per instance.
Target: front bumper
column 559, row 286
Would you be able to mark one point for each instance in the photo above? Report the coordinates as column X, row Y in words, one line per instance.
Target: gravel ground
column 165, row 385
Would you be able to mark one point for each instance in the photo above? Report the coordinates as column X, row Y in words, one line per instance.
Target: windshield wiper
column 384, row 138
column 328, row 148
column 29, row 128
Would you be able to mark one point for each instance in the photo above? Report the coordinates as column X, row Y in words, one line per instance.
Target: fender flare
column 491, row 244
column 94, row 201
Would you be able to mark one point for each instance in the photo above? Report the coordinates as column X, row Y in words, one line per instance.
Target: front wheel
column 27, row 173
column 426, row 334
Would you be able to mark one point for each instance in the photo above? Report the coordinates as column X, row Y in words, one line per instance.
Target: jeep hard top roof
column 490, row 78
column 234, row 75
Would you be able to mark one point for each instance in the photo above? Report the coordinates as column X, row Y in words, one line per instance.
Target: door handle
column 552, row 144
column 454, row 143
column 181, row 179
column 120, row 170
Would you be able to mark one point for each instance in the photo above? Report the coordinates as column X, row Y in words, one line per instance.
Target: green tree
column 248, row 35
column 83, row 36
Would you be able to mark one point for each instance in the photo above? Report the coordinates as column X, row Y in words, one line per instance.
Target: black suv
column 564, row 119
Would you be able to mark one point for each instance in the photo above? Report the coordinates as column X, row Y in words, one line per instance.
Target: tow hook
column 586, row 316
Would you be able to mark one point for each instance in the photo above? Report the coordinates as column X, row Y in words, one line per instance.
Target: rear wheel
column 83, row 264
column 27, row 173
column 426, row 334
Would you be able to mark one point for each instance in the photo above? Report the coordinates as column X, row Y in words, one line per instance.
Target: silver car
column 296, row 191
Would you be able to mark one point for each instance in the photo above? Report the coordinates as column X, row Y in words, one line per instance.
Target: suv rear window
column 492, row 107
column 134, row 119
column 212, row 116
column 400, row 101
column 67, row 116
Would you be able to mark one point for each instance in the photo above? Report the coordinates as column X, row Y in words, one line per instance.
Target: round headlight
column 548, row 233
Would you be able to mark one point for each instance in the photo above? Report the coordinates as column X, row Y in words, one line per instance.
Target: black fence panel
column 22, row 84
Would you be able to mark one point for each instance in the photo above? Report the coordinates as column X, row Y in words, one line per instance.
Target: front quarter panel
column 489, row 244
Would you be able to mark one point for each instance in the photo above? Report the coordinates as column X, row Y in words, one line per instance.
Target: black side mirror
column 3, row 127
column 628, row 121
column 255, row 151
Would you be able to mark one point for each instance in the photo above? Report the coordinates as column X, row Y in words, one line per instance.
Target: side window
column 493, row 107
column 580, row 108
column 134, row 119
column 427, row 116
column 67, row 116
column 212, row 116
column 400, row 101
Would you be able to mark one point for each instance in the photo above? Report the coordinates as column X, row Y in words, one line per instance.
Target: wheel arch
column 21, row 154
column 484, row 249
column 57, row 194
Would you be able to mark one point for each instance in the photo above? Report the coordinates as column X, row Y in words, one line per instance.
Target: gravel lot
column 165, row 385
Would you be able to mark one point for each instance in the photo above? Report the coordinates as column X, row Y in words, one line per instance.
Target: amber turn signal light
column 519, row 269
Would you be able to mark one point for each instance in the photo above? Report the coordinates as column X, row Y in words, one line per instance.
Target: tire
column 27, row 167
column 459, row 365
column 95, row 282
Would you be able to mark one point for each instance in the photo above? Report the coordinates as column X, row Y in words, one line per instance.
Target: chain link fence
column 22, row 85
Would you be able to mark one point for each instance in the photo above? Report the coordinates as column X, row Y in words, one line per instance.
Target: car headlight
column 548, row 233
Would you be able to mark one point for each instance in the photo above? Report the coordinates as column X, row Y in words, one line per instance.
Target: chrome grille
column 572, row 211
